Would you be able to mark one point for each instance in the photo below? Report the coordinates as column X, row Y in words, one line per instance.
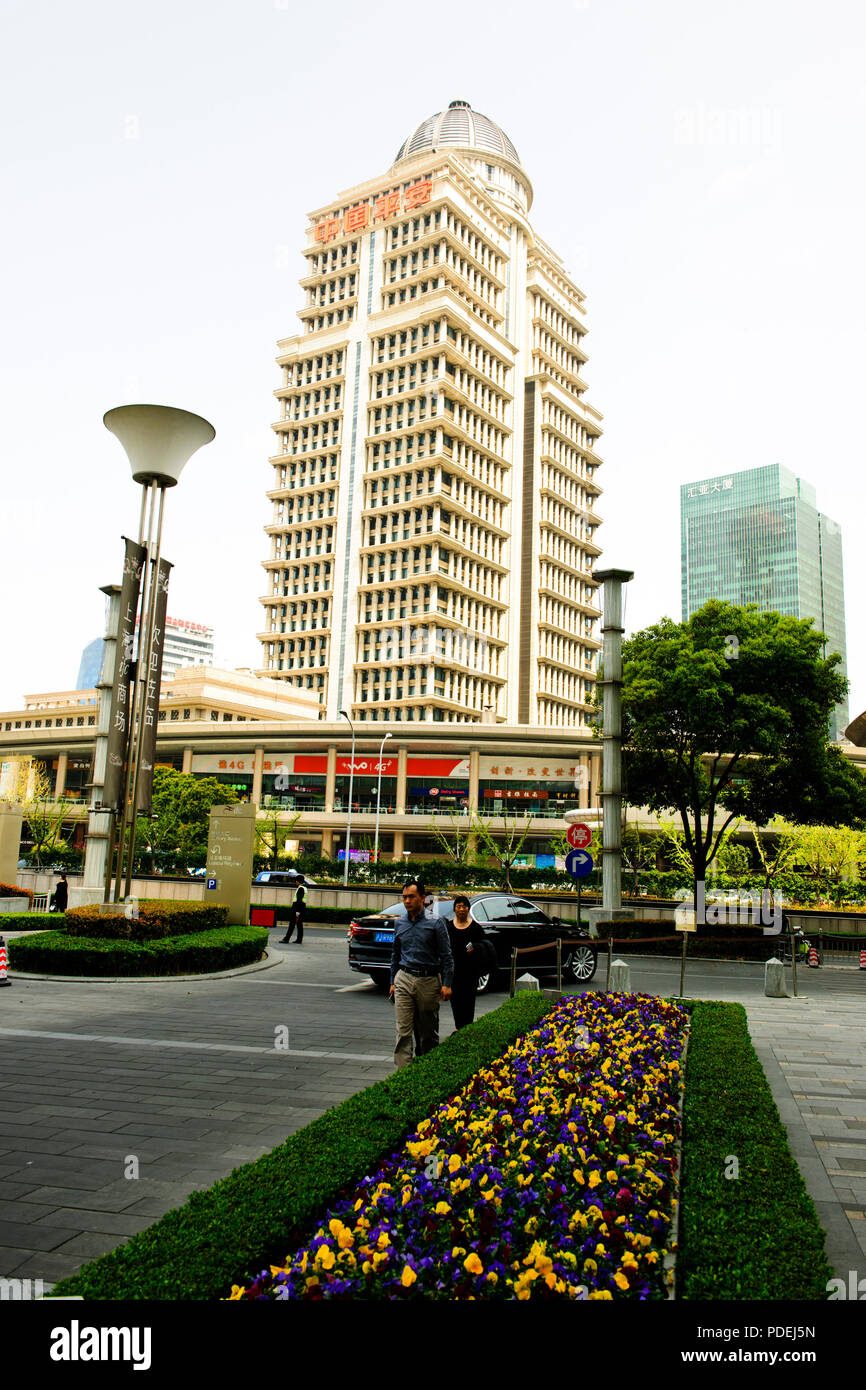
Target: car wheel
column 381, row 979
column 580, row 964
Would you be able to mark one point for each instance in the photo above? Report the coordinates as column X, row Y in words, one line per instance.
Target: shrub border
column 199, row 1250
column 771, row 1246
column 221, row 948
column 756, row 1236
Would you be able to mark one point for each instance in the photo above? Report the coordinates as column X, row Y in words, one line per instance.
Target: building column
column 60, row 779
column 399, row 845
column 586, row 760
column 327, row 844
column 187, row 760
column 331, row 778
column 402, row 764
column 594, row 778
column 474, row 765
column 258, row 764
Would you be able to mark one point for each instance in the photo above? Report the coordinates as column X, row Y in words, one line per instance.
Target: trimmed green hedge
column 263, row 1209
column 202, row 952
column 31, row 921
column 158, row 918
column 756, row 1235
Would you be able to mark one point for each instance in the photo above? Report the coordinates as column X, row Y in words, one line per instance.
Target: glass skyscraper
column 758, row 537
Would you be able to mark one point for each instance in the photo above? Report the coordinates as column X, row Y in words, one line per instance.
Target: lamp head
column 159, row 440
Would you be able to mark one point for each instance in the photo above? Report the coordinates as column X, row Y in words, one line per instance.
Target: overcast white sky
column 698, row 166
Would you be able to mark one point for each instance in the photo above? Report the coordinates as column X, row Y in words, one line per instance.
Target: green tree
column 504, row 844
column 272, row 830
column 638, row 853
column 455, row 838
column 776, row 851
column 178, row 825
column 30, row 788
column 835, row 852
column 726, row 715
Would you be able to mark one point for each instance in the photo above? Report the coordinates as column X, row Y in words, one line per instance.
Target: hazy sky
column 698, row 166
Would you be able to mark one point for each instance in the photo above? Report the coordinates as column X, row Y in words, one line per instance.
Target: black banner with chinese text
column 121, row 712
column 150, row 713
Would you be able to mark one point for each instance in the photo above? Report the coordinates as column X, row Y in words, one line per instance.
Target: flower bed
column 550, row 1175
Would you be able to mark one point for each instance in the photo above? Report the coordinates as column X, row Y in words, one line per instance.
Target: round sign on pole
column 579, row 836
column 578, row 863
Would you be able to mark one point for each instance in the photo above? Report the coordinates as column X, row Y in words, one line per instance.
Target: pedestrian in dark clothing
column 60, row 896
column 421, row 972
column 296, row 916
column 464, row 935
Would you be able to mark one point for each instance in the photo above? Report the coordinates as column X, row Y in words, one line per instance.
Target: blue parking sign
column 211, row 883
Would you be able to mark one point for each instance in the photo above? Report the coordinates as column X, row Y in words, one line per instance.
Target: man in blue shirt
column 422, row 969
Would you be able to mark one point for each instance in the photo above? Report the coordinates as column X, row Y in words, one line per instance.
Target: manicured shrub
column 11, row 890
column 202, row 952
column 158, row 917
column 195, row 1251
column 31, row 921
column 754, row 1235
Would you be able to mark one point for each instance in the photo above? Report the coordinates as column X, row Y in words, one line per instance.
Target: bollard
column 813, row 956
column 527, row 981
column 620, row 978
column 774, row 979
column 863, row 960
column 4, row 973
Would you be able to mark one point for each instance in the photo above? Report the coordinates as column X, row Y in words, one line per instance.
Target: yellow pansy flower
column 408, row 1277
column 473, row 1265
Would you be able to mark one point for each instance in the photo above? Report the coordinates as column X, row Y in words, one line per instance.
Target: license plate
column 384, row 936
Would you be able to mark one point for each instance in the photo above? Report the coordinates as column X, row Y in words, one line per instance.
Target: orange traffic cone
column 4, row 973
column 863, row 960
column 813, row 956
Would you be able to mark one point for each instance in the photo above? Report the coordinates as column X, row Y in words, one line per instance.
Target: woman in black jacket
column 464, row 935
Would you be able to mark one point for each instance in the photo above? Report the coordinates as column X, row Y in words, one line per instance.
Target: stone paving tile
column 26, row 1234
column 104, row 1222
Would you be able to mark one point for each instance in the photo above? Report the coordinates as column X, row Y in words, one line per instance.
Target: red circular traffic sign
column 579, row 836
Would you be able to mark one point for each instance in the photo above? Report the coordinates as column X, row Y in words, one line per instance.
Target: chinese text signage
column 374, row 210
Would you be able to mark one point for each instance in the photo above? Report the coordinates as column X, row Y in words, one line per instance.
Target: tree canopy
column 181, row 809
column 727, row 715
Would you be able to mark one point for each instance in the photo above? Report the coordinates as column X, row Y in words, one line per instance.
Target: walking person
column 464, row 935
column 422, row 968
column 296, row 916
column 60, row 896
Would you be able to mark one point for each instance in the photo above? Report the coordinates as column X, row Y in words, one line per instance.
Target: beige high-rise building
column 433, row 532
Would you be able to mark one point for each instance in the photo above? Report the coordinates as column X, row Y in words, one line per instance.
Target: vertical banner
column 119, row 730
column 150, row 707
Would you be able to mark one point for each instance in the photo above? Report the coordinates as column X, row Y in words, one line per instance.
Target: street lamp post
column 344, row 715
column 159, row 441
column 385, row 737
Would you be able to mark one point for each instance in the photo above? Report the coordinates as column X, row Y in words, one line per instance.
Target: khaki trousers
column 416, row 1005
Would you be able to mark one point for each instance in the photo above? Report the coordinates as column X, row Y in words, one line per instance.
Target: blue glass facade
column 758, row 537
column 91, row 665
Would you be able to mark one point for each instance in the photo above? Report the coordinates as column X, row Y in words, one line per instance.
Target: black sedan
column 507, row 921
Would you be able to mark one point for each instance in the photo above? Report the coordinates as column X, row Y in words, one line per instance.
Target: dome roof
column 462, row 128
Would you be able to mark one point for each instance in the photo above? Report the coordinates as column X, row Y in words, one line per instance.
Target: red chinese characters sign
column 356, row 218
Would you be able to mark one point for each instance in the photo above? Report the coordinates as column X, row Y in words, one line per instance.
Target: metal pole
column 611, row 754
column 683, row 967
column 559, row 964
column 148, row 491
column 794, row 944
column 349, row 816
column 379, row 800
column 152, row 595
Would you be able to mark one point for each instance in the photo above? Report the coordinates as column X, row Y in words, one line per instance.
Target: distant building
column 757, row 537
column 432, row 529
column 186, row 644
column 91, row 665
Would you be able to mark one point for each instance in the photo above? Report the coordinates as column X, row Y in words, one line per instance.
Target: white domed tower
column 433, row 533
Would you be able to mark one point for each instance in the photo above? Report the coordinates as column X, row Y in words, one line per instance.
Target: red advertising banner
column 514, row 794
column 438, row 767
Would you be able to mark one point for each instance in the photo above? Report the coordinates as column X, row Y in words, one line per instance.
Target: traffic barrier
column 813, row 956
column 4, row 971
column 863, row 960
